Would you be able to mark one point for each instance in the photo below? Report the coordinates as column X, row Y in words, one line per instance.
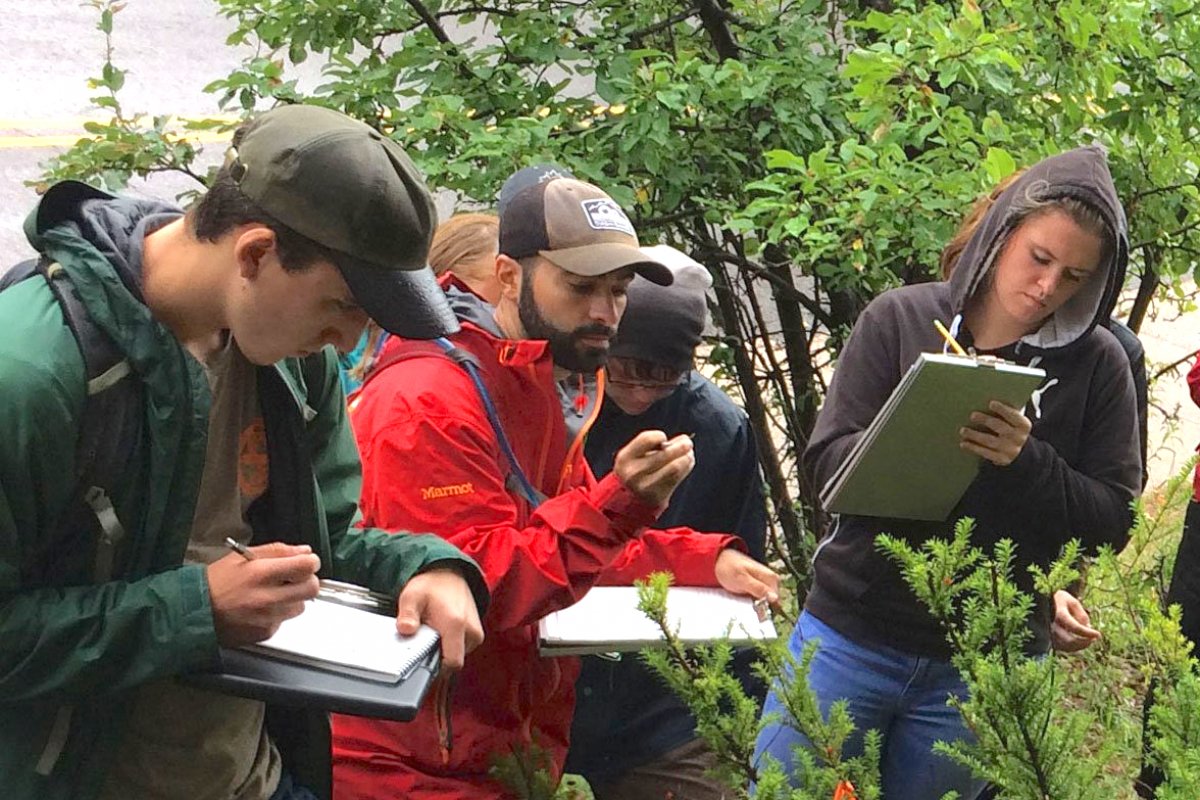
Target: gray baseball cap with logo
column 350, row 188
column 577, row 227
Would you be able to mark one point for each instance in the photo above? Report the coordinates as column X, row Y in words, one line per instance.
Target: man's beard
column 565, row 348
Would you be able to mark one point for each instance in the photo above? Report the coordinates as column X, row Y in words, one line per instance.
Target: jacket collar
column 291, row 372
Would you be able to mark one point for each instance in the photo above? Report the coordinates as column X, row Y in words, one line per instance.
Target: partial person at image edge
column 224, row 315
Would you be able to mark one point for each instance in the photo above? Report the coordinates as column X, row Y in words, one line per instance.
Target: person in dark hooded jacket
column 1070, row 629
column 1039, row 274
column 632, row 738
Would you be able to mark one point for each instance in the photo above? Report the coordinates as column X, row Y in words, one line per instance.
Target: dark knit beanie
column 662, row 324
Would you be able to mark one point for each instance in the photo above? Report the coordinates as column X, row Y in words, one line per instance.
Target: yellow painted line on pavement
column 66, row 140
column 39, row 133
column 76, row 122
column 37, row 142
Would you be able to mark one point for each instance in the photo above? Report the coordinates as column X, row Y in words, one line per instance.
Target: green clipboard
column 908, row 463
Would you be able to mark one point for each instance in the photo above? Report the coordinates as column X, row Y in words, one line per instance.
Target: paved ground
column 1174, row 419
column 171, row 49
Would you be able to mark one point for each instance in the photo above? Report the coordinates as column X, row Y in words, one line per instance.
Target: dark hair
column 224, row 207
column 528, row 265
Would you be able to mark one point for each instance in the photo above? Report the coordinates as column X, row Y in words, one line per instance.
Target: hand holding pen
column 254, row 589
column 997, row 435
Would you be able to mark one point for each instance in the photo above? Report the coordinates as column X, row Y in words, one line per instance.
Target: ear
column 508, row 274
column 254, row 246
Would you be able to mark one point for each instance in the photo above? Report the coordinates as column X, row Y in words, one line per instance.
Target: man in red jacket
column 541, row 527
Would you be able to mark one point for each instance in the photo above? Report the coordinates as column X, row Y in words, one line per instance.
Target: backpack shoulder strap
column 1136, row 354
column 112, row 414
column 444, row 348
column 403, row 350
column 18, row 272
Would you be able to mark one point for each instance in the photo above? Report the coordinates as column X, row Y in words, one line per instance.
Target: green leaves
column 126, row 144
column 729, row 722
column 999, row 164
column 1030, row 743
column 810, row 154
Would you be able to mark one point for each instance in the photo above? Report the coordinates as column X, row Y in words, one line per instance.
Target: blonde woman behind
column 464, row 246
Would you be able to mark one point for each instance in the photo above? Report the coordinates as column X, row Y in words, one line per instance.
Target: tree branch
column 665, row 219
column 792, row 292
column 431, row 22
column 636, row 37
column 1167, row 235
column 1161, row 189
column 714, row 18
column 1174, row 365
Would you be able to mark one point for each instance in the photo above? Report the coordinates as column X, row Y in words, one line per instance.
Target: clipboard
column 279, row 675
column 607, row 620
column 259, row 677
column 908, row 464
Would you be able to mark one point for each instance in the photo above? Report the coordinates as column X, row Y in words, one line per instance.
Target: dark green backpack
column 112, row 420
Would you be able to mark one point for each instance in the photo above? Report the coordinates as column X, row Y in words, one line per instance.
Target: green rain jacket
column 71, row 649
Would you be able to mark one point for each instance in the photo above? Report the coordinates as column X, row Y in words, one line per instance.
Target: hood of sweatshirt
column 470, row 307
column 1081, row 174
column 115, row 226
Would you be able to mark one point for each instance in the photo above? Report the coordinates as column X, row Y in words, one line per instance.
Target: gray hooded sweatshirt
column 1075, row 476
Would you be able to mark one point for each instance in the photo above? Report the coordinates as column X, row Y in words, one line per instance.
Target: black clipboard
column 272, row 680
column 278, row 681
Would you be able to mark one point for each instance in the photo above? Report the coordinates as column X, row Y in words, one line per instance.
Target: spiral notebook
column 908, row 463
column 354, row 641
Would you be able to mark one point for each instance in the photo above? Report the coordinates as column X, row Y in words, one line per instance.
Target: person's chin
column 267, row 357
column 1032, row 308
column 630, row 410
column 591, row 358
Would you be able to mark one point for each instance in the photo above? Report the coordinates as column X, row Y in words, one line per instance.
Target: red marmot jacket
column 431, row 463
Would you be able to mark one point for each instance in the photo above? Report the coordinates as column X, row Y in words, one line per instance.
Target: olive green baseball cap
column 350, row 188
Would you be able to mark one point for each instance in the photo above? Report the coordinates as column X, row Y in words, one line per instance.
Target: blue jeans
column 900, row 695
column 290, row 790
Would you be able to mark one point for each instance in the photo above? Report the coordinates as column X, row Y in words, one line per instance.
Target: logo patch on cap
column 605, row 215
column 553, row 172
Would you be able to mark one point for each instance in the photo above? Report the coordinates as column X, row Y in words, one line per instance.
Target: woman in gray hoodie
column 1033, row 283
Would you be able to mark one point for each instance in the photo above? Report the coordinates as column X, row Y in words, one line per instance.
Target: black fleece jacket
column 1075, row 477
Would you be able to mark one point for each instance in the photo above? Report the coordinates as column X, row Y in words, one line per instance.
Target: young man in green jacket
column 224, row 316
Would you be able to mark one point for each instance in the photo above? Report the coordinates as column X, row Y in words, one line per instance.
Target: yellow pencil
column 955, row 346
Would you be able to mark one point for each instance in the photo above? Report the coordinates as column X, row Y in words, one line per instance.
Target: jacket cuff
column 197, row 646
column 697, row 565
column 625, row 510
column 1022, row 472
column 470, row 572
